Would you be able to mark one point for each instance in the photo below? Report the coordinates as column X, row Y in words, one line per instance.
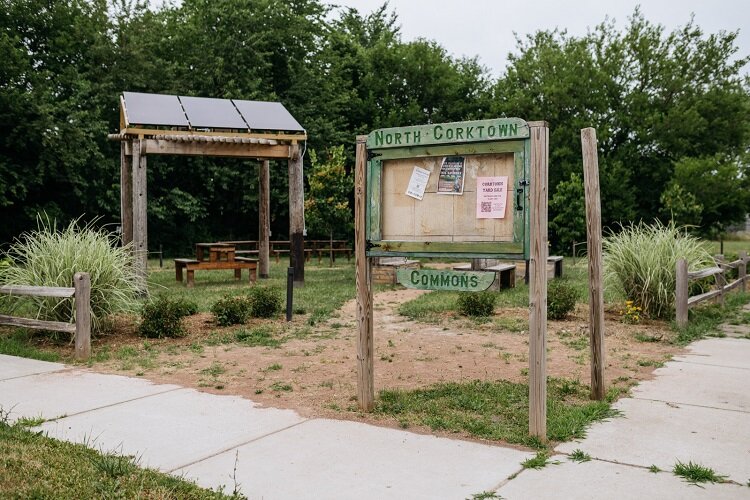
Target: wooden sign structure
column 457, row 190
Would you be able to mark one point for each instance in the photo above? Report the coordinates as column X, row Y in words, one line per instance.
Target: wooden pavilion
column 157, row 124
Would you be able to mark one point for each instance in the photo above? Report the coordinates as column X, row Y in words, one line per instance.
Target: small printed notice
column 418, row 183
column 492, row 193
column 451, row 180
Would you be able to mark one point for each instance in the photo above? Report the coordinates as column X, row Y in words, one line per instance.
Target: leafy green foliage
column 162, row 317
column 327, row 204
column 231, row 310
column 641, row 262
column 478, row 304
column 569, row 222
column 561, row 299
column 696, row 473
column 265, row 302
column 51, row 257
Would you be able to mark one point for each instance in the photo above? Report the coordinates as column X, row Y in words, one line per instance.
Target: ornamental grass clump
column 641, row 259
column 50, row 257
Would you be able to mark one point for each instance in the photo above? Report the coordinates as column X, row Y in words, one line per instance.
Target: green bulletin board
column 449, row 190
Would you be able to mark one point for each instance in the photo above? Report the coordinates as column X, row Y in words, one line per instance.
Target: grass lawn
column 35, row 466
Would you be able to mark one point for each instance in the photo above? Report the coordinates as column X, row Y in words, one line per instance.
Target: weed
column 31, row 421
column 650, row 362
column 643, row 337
column 514, row 325
column 476, row 304
column 272, row 368
column 655, row 469
column 485, row 495
column 696, row 473
column 259, row 336
column 214, row 370
column 580, row 456
column 539, row 461
column 281, row 386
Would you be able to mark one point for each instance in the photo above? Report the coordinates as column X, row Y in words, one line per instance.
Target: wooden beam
column 82, row 285
column 742, row 271
column 140, row 227
column 681, row 293
column 538, row 281
column 57, row 326
column 38, row 291
column 363, row 276
column 126, row 192
column 264, row 222
column 228, row 149
column 296, row 217
column 594, row 248
column 143, row 132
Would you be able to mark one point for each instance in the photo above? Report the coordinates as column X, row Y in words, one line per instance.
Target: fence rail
column 81, row 291
column 683, row 300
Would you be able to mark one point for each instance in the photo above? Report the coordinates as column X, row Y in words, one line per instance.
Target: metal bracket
column 372, row 154
column 369, row 245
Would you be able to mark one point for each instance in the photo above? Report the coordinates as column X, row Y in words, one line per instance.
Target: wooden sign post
column 594, row 247
column 468, row 190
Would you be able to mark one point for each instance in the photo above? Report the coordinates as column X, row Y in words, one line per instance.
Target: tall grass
column 640, row 261
column 50, row 257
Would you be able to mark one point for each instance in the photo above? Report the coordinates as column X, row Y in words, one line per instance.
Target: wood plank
column 705, row 273
column 363, row 278
column 264, row 219
column 126, row 195
column 144, row 132
column 163, row 147
column 57, row 326
column 696, row 299
column 38, row 291
column 483, row 249
column 296, row 217
column 82, row 283
column 594, row 248
column 538, row 282
column 449, row 133
column 742, row 271
column 682, row 299
column 221, row 264
column 140, row 227
column 516, row 146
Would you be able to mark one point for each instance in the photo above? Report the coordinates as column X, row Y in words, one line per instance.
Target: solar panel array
column 204, row 112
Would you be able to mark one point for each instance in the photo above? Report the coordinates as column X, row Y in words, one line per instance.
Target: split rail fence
column 683, row 300
column 80, row 291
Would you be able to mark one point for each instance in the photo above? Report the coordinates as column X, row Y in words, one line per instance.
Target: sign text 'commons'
column 426, row 279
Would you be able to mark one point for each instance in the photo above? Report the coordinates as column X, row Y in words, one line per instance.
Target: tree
column 569, row 223
column 327, row 204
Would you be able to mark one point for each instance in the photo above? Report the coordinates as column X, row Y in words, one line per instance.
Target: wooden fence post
column 82, row 285
column 681, row 293
column 538, row 281
column 742, row 271
column 140, row 227
column 594, row 249
column 296, row 217
column 365, row 344
column 264, row 219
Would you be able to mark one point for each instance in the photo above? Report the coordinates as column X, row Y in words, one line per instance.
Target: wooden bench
column 331, row 252
column 505, row 274
column 238, row 264
column 557, row 260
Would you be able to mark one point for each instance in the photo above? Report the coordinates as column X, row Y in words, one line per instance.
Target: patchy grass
column 580, row 456
column 705, row 320
column 35, row 466
column 540, row 461
column 696, row 473
column 19, row 342
column 496, row 410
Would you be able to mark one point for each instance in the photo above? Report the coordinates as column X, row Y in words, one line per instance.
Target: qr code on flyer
column 486, row 207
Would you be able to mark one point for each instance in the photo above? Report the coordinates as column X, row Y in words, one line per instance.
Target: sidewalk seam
column 64, row 369
column 233, row 447
column 689, row 404
column 115, row 404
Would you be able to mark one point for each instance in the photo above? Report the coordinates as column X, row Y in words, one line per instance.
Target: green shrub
column 187, row 307
column 478, row 304
column 51, row 257
column 264, row 302
column 162, row 318
column 641, row 261
column 231, row 310
column 561, row 299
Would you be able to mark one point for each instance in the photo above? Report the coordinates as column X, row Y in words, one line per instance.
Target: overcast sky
column 485, row 28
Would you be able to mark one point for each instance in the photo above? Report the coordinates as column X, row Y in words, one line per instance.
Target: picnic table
column 215, row 255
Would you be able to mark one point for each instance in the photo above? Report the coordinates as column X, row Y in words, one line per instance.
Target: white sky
column 485, row 28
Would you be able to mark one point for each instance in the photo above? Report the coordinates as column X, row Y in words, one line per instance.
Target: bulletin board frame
column 475, row 139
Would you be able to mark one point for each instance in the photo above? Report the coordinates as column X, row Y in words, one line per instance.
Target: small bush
column 231, row 310
column 561, row 299
column 187, row 307
column 476, row 304
column 163, row 318
column 264, row 302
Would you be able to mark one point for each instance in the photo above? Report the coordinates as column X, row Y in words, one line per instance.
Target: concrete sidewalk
column 696, row 409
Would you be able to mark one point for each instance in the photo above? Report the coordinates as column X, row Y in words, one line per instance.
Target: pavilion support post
column 538, row 281
column 264, row 219
column 140, row 230
column 296, row 217
column 363, row 278
column 126, row 194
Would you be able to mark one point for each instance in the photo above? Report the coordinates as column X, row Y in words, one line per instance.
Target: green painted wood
column 496, row 129
column 527, row 201
column 520, row 173
column 450, row 247
column 428, row 279
column 375, row 200
column 514, row 146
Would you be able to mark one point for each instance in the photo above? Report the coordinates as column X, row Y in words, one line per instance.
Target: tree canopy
column 670, row 108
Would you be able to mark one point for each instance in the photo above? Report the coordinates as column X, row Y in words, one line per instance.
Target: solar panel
column 212, row 113
column 154, row 109
column 262, row 115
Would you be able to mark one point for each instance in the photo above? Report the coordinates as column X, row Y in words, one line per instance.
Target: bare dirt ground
column 314, row 372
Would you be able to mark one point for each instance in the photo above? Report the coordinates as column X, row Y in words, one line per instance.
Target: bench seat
column 238, row 264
